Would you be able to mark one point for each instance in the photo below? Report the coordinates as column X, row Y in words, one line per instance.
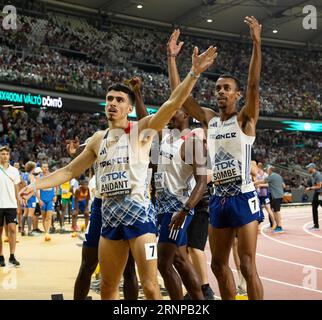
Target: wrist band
column 172, row 55
column 192, row 75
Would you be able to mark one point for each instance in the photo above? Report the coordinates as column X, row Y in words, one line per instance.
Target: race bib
column 253, row 204
column 150, row 251
column 159, row 181
column 227, row 172
column 115, row 183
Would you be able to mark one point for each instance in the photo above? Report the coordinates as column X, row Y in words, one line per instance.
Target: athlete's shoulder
column 95, row 138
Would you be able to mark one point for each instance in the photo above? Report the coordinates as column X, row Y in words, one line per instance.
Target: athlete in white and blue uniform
column 234, row 206
column 123, row 160
column 48, row 197
column 235, row 201
column 178, row 164
column 30, row 206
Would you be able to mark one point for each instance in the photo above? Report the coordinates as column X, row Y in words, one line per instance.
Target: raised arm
column 250, row 112
column 173, row 50
column 135, row 83
column 199, row 64
column 195, row 110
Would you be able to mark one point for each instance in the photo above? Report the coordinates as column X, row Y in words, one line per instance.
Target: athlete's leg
column 74, row 220
column 147, row 269
column 220, row 241
column 87, row 268
column 270, row 214
column 247, row 241
column 130, row 283
column 62, row 213
column 199, row 262
column 31, row 214
column 12, row 232
column 19, row 216
column 278, row 218
column 241, row 279
column 188, row 274
column 47, row 221
column 172, row 281
column 112, row 256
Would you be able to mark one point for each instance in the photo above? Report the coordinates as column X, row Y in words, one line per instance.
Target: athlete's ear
column 130, row 109
column 238, row 96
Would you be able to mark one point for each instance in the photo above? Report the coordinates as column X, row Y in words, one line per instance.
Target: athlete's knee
column 149, row 286
column 164, row 265
column 179, row 261
column 247, row 266
column 12, row 228
column 108, row 286
column 218, row 267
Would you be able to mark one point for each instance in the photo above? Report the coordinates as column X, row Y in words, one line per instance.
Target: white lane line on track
column 286, row 243
column 283, row 283
column 287, row 261
column 310, row 233
column 286, row 283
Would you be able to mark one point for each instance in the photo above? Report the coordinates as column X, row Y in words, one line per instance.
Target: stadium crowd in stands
column 68, row 54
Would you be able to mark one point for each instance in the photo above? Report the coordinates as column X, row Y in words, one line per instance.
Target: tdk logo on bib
column 114, row 176
column 225, row 165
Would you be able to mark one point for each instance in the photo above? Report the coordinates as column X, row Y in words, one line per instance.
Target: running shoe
column 208, row 293
column 241, row 291
column 278, row 230
column 13, row 262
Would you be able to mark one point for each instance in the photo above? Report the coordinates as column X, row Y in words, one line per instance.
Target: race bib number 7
column 254, row 204
column 150, row 251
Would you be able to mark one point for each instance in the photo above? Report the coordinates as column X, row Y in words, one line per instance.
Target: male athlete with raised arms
column 234, row 206
column 122, row 153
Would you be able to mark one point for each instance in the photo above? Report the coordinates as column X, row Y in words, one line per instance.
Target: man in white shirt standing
column 9, row 181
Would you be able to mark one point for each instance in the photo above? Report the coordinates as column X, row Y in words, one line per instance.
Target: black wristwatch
column 186, row 209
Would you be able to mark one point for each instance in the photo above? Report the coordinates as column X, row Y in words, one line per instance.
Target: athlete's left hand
column 135, row 83
column 177, row 220
column 254, row 27
column 201, row 62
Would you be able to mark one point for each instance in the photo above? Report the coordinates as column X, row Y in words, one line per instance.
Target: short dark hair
column 237, row 81
column 5, row 148
column 125, row 89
